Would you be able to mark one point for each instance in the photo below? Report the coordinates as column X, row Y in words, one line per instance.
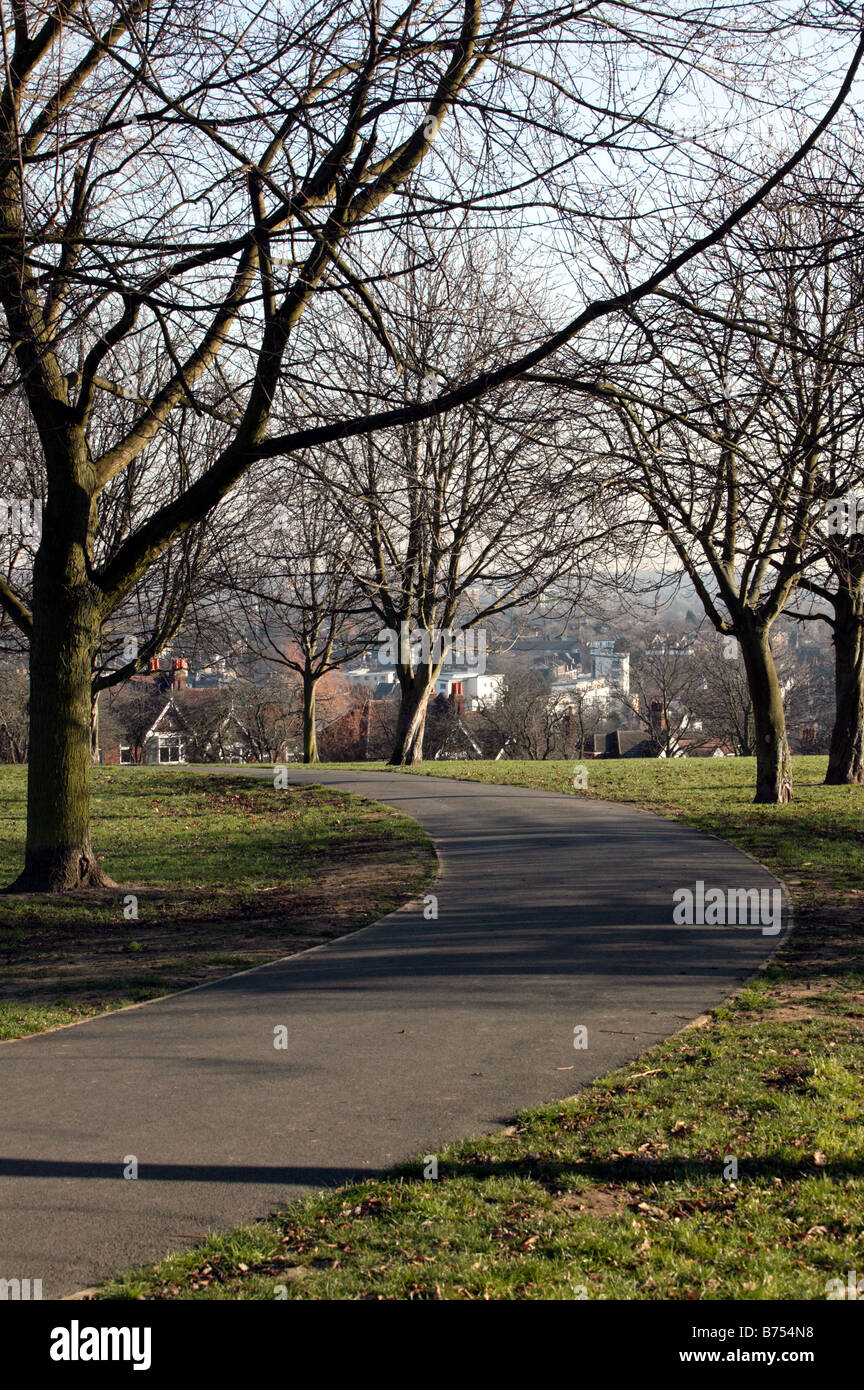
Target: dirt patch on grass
column 595, row 1201
column 819, row 972
column 130, row 960
column 798, row 1013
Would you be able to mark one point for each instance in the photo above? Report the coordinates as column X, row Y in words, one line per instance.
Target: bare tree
column 834, row 574
column 526, row 720
column 191, row 202
column 286, row 588
column 838, row 584
column 457, row 518
column 722, row 699
column 740, row 443
column 664, row 678
column 583, row 716
column 261, row 717
column 14, row 721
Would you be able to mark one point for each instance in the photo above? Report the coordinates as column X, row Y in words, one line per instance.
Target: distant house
column 703, row 748
column 164, row 674
column 629, row 743
column 170, row 739
column 213, row 674
column 584, row 690
column 592, row 746
column 474, row 688
column 636, row 743
column 371, row 679
column 607, row 664
column 458, row 744
column 168, row 673
column 555, row 663
column 166, row 741
column 230, row 742
column 666, row 645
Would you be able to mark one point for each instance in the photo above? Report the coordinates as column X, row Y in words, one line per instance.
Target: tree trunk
column 58, row 854
column 66, row 632
column 411, row 723
column 310, row 728
column 747, row 739
column 846, row 753
column 773, row 764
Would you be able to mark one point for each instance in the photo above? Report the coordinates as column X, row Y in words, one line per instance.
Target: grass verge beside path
column 225, row 874
column 619, row 1192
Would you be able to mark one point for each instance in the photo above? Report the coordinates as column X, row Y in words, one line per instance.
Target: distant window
column 125, row 754
column 171, row 749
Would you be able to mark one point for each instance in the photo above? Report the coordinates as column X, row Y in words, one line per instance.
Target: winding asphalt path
column 553, row 912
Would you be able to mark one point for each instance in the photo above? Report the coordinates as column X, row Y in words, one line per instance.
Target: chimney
column 153, row 664
column 457, row 699
column 658, row 722
column 179, row 672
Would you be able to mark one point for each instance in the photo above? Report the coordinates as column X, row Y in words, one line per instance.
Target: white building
column 476, row 688
column 610, row 665
column 585, row 689
column 368, row 677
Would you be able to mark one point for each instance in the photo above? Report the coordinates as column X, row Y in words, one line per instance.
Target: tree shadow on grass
column 553, row 1174
column 557, row 1175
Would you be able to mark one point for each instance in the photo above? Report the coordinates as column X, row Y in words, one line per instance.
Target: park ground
column 619, row 1192
column 215, row 875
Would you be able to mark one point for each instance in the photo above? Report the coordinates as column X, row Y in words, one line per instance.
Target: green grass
column 819, row 837
column 186, row 831
column 620, row 1192
column 226, row 873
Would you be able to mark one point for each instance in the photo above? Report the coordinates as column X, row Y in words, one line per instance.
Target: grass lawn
column 225, row 873
column 620, row 1191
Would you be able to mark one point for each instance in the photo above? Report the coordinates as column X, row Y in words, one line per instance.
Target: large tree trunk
column 411, row 723
column 846, row 754
column 58, row 855
column 66, row 629
column 773, row 764
column 310, row 728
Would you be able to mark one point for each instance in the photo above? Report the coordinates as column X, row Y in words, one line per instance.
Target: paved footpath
column 553, row 912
